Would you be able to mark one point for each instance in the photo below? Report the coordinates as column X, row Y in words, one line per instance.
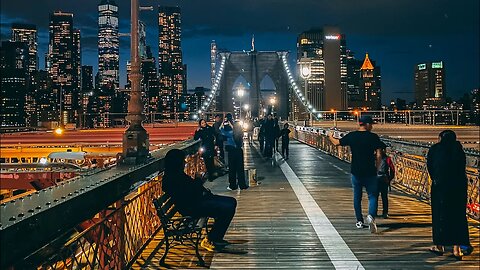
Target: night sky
column 396, row 34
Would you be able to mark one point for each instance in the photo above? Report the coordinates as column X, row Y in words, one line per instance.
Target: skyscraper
column 150, row 81
column 363, row 84
column 87, row 78
column 14, row 64
column 430, row 89
column 325, row 48
column 63, row 64
column 108, row 44
column 170, row 65
column 27, row 33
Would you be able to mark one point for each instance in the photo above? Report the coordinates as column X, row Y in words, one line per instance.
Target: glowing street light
column 306, row 73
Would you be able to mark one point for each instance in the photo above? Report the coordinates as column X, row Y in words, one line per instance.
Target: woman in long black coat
column 446, row 166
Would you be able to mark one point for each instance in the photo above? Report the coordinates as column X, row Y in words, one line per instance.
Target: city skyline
column 417, row 32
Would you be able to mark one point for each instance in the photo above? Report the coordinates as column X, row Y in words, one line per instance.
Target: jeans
column 220, row 208
column 371, row 185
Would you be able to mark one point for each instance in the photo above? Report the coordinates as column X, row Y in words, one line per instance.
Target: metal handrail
column 410, row 161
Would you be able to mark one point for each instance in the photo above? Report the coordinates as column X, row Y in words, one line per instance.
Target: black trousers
column 210, row 166
column 236, row 168
column 261, row 140
column 383, row 192
column 220, row 208
column 285, row 150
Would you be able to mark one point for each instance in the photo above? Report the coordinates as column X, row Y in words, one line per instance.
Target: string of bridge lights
column 215, row 87
column 297, row 91
column 292, row 81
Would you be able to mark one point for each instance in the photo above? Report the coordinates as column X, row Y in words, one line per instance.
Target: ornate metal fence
column 410, row 162
column 119, row 233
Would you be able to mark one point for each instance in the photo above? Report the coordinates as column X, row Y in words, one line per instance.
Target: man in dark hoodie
column 193, row 199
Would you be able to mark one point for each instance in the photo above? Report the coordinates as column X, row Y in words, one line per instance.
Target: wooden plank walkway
column 275, row 232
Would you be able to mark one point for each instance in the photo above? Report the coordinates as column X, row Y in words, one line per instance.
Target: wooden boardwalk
column 273, row 231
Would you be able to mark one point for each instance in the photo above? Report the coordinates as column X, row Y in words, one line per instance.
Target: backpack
column 387, row 169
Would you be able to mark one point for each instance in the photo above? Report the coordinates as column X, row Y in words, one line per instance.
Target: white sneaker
column 371, row 224
column 359, row 224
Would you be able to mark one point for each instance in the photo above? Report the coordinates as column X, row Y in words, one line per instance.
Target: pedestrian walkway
column 301, row 217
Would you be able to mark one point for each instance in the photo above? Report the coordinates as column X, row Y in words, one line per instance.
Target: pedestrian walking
column 270, row 136
column 284, row 133
column 385, row 175
column 446, row 164
column 233, row 134
column 261, row 135
column 365, row 147
column 276, row 130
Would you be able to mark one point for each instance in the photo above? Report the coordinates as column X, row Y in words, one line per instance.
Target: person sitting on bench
column 193, row 199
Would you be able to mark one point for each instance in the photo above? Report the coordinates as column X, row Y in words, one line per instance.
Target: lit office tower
column 13, row 83
column 150, row 82
column 171, row 68
column 63, row 64
column 213, row 61
column 108, row 44
column 430, row 89
column 370, row 85
column 27, row 33
column 363, row 83
column 87, row 78
column 324, row 48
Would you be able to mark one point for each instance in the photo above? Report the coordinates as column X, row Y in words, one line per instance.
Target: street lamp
column 240, row 94
column 306, row 73
column 272, row 103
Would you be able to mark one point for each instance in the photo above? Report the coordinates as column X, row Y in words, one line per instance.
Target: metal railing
column 113, row 238
column 410, row 162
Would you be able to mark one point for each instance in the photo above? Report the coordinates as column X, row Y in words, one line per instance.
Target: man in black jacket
column 193, row 199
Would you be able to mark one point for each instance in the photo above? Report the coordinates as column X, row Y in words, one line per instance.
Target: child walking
column 385, row 175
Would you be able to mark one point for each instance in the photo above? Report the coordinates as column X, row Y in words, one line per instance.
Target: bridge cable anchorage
column 296, row 89
column 215, row 87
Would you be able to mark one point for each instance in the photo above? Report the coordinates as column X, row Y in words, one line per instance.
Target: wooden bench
column 178, row 229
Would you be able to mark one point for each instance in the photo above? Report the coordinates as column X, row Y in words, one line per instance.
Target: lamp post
column 272, row 103
column 240, row 94
column 135, row 138
column 246, row 107
column 306, row 73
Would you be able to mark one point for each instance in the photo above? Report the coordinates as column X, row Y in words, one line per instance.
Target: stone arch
column 253, row 66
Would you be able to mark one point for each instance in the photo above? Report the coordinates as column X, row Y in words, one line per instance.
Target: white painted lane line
column 321, row 158
column 335, row 166
column 337, row 250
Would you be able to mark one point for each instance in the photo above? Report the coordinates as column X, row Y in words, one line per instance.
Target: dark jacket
column 185, row 192
column 284, row 134
column 207, row 135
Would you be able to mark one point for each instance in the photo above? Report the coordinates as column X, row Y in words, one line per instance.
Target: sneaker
column 231, row 189
column 466, row 250
column 371, row 224
column 208, row 245
column 359, row 224
column 386, row 215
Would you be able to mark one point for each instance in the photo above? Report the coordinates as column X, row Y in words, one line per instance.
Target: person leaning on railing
column 446, row 164
column 193, row 199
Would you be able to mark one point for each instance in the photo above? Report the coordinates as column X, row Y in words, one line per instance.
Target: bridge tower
column 253, row 66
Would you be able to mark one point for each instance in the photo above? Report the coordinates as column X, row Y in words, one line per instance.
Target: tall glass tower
column 171, row 68
column 108, row 44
